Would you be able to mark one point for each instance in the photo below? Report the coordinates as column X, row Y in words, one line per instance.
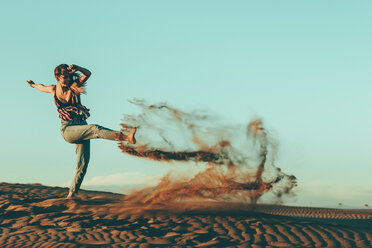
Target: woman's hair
column 75, row 85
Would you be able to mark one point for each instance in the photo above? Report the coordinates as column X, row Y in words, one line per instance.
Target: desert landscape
column 186, row 124
column 33, row 215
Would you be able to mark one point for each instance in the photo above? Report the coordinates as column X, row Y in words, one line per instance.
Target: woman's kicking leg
column 78, row 133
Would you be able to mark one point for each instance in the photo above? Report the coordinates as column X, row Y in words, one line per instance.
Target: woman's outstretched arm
column 41, row 87
column 86, row 73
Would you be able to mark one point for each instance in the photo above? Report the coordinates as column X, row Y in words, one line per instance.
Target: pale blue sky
column 304, row 67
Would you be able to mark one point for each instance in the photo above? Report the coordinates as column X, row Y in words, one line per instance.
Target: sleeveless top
column 73, row 109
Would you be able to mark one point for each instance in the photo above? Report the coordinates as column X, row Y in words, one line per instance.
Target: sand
column 33, row 215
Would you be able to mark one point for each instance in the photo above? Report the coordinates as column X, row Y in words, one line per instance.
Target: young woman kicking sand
column 73, row 115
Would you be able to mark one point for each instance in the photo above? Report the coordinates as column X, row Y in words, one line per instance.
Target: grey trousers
column 78, row 132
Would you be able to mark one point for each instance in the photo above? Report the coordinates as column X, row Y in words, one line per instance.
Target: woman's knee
column 68, row 138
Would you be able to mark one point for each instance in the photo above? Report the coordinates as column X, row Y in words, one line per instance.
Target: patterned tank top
column 72, row 109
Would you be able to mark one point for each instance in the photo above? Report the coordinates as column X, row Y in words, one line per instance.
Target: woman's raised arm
column 86, row 73
column 41, row 87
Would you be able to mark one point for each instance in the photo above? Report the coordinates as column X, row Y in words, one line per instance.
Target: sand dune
column 39, row 216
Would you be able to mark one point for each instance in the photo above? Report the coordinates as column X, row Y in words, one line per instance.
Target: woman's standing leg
column 83, row 155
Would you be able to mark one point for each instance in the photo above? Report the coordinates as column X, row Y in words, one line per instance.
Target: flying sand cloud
column 239, row 160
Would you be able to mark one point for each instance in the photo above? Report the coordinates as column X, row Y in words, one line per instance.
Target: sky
column 303, row 67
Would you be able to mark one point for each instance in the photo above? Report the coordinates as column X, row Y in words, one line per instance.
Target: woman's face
column 64, row 79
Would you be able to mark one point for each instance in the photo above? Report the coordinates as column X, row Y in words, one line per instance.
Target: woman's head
column 64, row 75
column 67, row 78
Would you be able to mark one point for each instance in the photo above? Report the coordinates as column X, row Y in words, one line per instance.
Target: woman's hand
column 31, row 83
column 73, row 68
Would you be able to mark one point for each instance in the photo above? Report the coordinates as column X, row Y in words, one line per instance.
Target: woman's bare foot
column 130, row 138
column 70, row 195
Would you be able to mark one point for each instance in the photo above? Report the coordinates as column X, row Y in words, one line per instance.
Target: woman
column 73, row 115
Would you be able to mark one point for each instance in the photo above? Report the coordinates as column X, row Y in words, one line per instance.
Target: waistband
column 75, row 121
